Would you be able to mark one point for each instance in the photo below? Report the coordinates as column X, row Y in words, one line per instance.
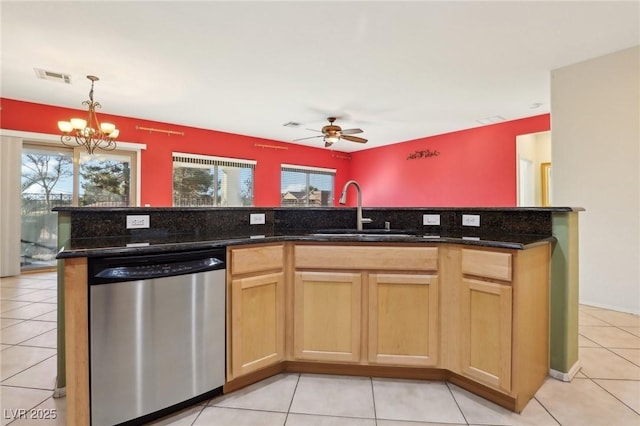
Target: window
column 54, row 176
column 105, row 180
column 201, row 180
column 302, row 186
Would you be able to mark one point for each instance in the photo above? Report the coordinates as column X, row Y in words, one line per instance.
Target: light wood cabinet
column 403, row 319
column 476, row 316
column 366, row 303
column 486, row 332
column 486, row 316
column 255, row 309
column 327, row 316
column 502, row 317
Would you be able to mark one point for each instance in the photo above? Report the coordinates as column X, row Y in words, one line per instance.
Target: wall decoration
column 425, row 153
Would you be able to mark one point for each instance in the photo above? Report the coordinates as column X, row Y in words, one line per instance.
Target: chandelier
column 89, row 133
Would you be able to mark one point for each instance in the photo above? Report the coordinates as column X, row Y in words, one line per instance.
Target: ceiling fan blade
column 314, row 130
column 353, row 138
column 351, row 131
column 310, row 137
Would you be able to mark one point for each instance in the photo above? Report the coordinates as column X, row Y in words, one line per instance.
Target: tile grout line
column 293, row 395
column 546, row 409
column 621, row 401
column 30, row 408
column 456, row 401
column 25, row 369
column 20, row 343
column 373, row 396
column 199, row 414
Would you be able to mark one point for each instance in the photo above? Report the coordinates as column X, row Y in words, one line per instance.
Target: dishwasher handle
column 157, row 270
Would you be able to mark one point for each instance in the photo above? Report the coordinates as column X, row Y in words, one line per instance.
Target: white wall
column 595, row 131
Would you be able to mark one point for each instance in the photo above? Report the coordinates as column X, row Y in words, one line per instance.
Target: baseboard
column 566, row 377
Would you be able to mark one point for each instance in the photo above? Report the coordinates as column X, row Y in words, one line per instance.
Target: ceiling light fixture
column 89, row 133
column 331, row 139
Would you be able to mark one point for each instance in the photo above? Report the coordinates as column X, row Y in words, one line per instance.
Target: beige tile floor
column 605, row 392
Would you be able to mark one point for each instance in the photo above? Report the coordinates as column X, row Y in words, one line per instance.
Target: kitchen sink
column 322, row 234
column 352, row 231
column 373, row 233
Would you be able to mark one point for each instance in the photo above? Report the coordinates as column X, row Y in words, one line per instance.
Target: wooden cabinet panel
column 486, row 317
column 256, row 259
column 257, row 322
column 327, row 312
column 487, row 264
column 367, row 257
column 403, row 319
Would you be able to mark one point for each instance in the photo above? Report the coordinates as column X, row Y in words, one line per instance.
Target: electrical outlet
column 470, row 220
column 256, row 219
column 137, row 221
column 431, row 219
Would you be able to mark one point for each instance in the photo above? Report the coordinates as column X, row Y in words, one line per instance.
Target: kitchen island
column 416, row 302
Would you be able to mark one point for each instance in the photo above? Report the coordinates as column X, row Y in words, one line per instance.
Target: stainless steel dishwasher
column 157, row 333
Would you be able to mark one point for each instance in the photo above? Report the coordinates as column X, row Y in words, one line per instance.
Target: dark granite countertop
column 103, row 231
column 124, row 245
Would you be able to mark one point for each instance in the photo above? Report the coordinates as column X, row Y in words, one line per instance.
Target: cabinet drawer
column 487, row 264
column 255, row 259
column 389, row 258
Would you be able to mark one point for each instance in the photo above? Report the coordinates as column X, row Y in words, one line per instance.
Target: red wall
column 156, row 173
column 475, row 167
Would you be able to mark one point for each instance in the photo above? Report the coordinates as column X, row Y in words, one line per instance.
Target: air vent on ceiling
column 53, row 76
column 491, row 120
column 291, row 124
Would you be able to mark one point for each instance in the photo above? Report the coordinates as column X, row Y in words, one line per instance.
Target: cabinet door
column 257, row 322
column 403, row 319
column 327, row 322
column 486, row 332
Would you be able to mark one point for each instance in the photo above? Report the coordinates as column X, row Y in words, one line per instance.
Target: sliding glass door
column 47, row 182
column 55, row 176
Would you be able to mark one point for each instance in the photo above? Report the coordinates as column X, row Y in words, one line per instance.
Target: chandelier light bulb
column 78, row 123
column 65, row 126
column 107, row 128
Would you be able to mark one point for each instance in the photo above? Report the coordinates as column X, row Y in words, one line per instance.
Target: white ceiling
column 398, row 70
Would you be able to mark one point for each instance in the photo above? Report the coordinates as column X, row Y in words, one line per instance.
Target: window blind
column 305, row 186
column 200, row 180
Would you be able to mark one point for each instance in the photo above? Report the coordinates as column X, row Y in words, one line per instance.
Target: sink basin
column 352, row 231
column 362, row 235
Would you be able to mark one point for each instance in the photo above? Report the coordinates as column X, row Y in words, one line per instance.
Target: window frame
column 208, row 162
column 308, row 171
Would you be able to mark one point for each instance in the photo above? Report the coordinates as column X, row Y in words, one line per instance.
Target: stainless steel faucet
column 343, row 199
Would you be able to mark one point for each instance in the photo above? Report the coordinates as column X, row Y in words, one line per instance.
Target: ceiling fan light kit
column 333, row 133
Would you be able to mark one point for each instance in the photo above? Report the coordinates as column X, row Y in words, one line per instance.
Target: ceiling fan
column 333, row 133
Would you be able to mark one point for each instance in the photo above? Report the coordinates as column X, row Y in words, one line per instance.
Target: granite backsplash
column 223, row 222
